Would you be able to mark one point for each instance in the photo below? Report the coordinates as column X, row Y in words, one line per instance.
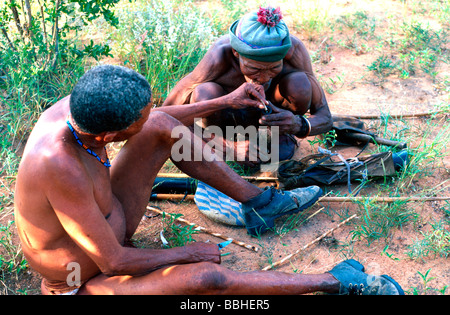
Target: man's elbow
column 328, row 123
column 112, row 270
column 113, row 266
column 325, row 123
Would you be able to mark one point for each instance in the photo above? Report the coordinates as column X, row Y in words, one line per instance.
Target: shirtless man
column 259, row 49
column 75, row 211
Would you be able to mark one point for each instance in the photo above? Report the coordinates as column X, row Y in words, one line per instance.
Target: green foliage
column 327, row 140
column 41, row 34
column 230, row 11
column 378, row 220
column 359, row 22
column 175, row 234
column 162, row 40
column 419, row 47
column 11, row 259
column 41, row 60
column 434, row 243
column 383, row 66
column 311, row 20
column 93, row 9
column 425, row 288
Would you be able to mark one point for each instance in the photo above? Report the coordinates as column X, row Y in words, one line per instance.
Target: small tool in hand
column 267, row 109
column 223, row 244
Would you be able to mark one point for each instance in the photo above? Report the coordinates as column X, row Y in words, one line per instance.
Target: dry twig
column 205, row 230
column 280, row 262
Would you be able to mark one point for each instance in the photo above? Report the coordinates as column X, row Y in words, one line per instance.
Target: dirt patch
column 384, row 256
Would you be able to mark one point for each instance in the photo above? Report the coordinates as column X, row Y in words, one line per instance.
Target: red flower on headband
column 269, row 16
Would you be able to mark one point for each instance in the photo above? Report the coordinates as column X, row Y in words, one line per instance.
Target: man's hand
column 247, row 95
column 284, row 119
column 200, row 252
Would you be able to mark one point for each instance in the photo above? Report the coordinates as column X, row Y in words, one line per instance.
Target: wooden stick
column 257, row 178
column 205, row 230
column 280, row 262
column 396, row 116
column 172, row 196
column 16, row 17
column 11, row 45
column 330, row 199
column 30, row 18
column 381, row 199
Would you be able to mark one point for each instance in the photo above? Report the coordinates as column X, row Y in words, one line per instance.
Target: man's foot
column 260, row 212
column 354, row 281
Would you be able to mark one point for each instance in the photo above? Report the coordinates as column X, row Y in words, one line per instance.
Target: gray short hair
column 109, row 98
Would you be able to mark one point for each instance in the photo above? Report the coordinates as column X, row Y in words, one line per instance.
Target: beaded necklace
column 106, row 163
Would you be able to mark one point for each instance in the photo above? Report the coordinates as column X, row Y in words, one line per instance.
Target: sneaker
column 260, row 212
column 354, row 281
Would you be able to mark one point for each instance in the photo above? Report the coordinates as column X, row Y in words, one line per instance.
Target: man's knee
column 297, row 89
column 161, row 124
column 211, row 277
column 206, row 91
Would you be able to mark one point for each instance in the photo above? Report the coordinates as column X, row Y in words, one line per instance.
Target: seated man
column 259, row 49
column 75, row 210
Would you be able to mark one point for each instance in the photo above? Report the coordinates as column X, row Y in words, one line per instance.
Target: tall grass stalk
column 23, row 96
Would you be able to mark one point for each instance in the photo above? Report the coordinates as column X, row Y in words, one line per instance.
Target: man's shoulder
column 49, row 151
column 297, row 43
column 223, row 42
column 298, row 55
column 221, row 49
column 216, row 61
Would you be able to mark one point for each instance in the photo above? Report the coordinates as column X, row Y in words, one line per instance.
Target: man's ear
column 106, row 137
column 235, row 53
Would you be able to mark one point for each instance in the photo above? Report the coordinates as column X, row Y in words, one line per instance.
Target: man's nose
column 263, row 78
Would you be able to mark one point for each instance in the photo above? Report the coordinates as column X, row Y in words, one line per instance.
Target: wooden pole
column 331, row 199
column 172, row 196
column 382, row 199
column 256, row 178
column 280, row 262
column 397, row 116
column 207, row 231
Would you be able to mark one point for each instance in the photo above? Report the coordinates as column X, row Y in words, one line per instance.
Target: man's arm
column 320, row 118
column 320, row 115
column 247, row 95
column 70, row 193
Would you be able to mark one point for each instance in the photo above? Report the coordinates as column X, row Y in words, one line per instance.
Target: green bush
column 41, row 59
column 162, row 40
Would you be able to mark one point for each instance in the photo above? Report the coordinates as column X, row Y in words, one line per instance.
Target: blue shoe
column 260, row 212
column 354, row 281
column 401, row 160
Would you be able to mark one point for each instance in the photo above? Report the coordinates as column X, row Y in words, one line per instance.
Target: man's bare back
column 52, row 167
